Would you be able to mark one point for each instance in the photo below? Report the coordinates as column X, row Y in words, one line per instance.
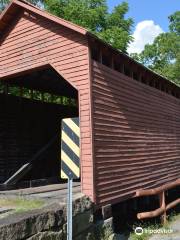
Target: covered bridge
column 129, row 116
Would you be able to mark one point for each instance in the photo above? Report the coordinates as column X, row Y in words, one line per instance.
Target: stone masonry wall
column 49, row 223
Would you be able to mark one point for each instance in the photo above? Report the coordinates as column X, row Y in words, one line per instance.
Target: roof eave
column 42, row 13
column 91, row 35
column 25, row 5
column 6, row 10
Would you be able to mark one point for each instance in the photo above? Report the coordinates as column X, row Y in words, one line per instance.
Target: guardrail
column 160, row 191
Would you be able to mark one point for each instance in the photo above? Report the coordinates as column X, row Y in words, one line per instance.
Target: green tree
column 94, row 15
column 175, row 22
column 111, row 27
column 163, row 56
column 4, row 3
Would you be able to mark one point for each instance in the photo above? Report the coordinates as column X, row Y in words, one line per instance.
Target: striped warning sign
column 70, row 149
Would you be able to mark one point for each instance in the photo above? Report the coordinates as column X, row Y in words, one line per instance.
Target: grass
column 173, row 216
column 20, row 204
column 145, row 235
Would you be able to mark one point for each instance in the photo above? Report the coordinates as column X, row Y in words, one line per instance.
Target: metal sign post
column 69, row 210
column 70, row 161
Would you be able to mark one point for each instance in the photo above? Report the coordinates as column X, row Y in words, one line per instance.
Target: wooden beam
column 173, row 204
column 155, row 191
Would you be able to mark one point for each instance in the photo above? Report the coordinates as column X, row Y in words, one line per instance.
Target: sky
column 150, row 19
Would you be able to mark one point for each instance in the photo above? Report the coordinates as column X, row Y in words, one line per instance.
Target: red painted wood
column 136, row 135
column 26, row 47
column 130, row 132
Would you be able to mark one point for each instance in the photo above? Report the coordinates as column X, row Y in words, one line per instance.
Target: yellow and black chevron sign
column 70, row 148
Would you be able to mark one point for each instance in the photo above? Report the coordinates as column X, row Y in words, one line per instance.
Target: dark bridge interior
column 31, row 108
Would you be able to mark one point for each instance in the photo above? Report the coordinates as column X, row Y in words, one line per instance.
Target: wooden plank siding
column 36, row 41
column 136, row 132
column 130, row 132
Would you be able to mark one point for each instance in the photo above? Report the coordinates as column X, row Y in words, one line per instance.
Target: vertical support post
column 122, row 68
column 21, row 92
column 52, row 98
column 42, row 97
column 69, row 210
column 112, row 61
column 163, row 206
column 31, row 92
column 6, row 89
column 100, row 57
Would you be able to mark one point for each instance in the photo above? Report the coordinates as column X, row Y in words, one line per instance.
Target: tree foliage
column 163, row 56
column 175, row 22
column 4, row 3
column 94, row 15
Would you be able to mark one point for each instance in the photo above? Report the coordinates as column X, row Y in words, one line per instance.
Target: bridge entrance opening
column 32, row 106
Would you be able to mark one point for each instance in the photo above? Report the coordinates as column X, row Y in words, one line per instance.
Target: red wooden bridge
column 129, row 115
